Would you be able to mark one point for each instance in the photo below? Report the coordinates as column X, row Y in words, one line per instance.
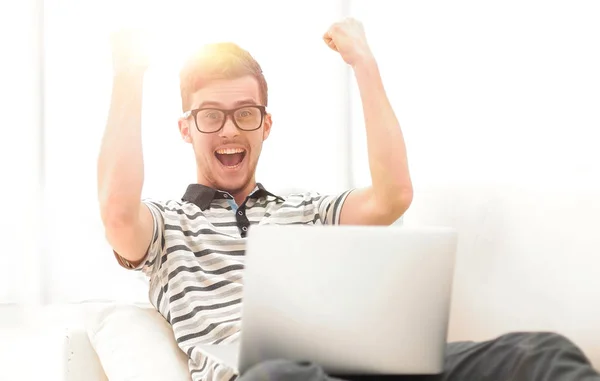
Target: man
column 192, row 249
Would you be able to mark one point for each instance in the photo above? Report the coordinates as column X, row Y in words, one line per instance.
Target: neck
column 241, row 195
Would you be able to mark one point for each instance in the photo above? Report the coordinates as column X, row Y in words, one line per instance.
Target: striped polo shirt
column 196, row 259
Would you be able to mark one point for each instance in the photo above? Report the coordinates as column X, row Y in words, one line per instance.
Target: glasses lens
column 210, row 120
column 248, row 118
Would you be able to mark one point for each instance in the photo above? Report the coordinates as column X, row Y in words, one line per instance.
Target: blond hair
column 224, row 60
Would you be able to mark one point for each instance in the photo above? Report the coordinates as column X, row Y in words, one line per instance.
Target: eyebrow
column 243, row 102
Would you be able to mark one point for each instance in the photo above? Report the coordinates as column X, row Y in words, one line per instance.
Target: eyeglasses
column 211, row 120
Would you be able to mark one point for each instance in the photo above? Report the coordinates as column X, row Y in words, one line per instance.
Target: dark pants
column 511, row 357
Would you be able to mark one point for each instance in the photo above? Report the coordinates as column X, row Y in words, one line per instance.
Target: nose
column 229, row 130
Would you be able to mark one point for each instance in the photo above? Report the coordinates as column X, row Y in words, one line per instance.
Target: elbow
column 118, row 214
column 390, row 208
column 400, row 203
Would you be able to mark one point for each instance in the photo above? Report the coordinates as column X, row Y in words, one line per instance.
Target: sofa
column 134, row 342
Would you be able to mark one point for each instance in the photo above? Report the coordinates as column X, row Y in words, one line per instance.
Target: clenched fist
column 129, row 51
column 348, row 38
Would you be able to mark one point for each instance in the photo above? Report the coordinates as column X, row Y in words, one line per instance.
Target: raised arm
column 127, row 221
column 390, row 193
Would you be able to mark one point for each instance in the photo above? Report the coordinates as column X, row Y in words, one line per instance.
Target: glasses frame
column 230, row 112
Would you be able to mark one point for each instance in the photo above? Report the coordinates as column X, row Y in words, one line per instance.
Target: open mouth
column 230, row 157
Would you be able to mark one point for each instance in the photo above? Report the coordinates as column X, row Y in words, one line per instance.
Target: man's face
column 227, row 159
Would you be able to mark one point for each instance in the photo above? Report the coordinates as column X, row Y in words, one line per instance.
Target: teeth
column 229, row 151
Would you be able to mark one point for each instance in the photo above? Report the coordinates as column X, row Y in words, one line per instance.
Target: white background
column 502, row 92
column 498, row 103
column 20, row 151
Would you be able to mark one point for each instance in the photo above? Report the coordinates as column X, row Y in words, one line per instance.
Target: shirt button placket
column 242, row 221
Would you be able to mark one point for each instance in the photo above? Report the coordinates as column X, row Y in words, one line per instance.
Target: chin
column 232, row 183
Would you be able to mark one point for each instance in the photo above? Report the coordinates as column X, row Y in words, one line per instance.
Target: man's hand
column 129, row 51
column 348, row 38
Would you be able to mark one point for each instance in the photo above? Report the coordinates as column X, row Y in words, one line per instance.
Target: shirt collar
column 202, row 195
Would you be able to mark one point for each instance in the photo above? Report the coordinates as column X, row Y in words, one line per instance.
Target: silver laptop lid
column 354, row 299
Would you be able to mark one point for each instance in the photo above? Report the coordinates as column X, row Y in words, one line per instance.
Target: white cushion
column 135, row 343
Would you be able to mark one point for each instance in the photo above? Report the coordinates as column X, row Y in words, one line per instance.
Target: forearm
column 385, row 143
column 120, row 162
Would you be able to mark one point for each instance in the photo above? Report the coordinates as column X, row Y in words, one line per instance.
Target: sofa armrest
column 80, row 361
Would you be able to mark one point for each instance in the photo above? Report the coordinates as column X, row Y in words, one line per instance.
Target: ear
column 184, row 130
column 267, row 123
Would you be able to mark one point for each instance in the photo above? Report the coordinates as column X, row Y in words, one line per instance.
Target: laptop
column 356, row 300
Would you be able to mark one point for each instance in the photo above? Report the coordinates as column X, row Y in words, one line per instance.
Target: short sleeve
column 329, row 207
column 156, row 245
